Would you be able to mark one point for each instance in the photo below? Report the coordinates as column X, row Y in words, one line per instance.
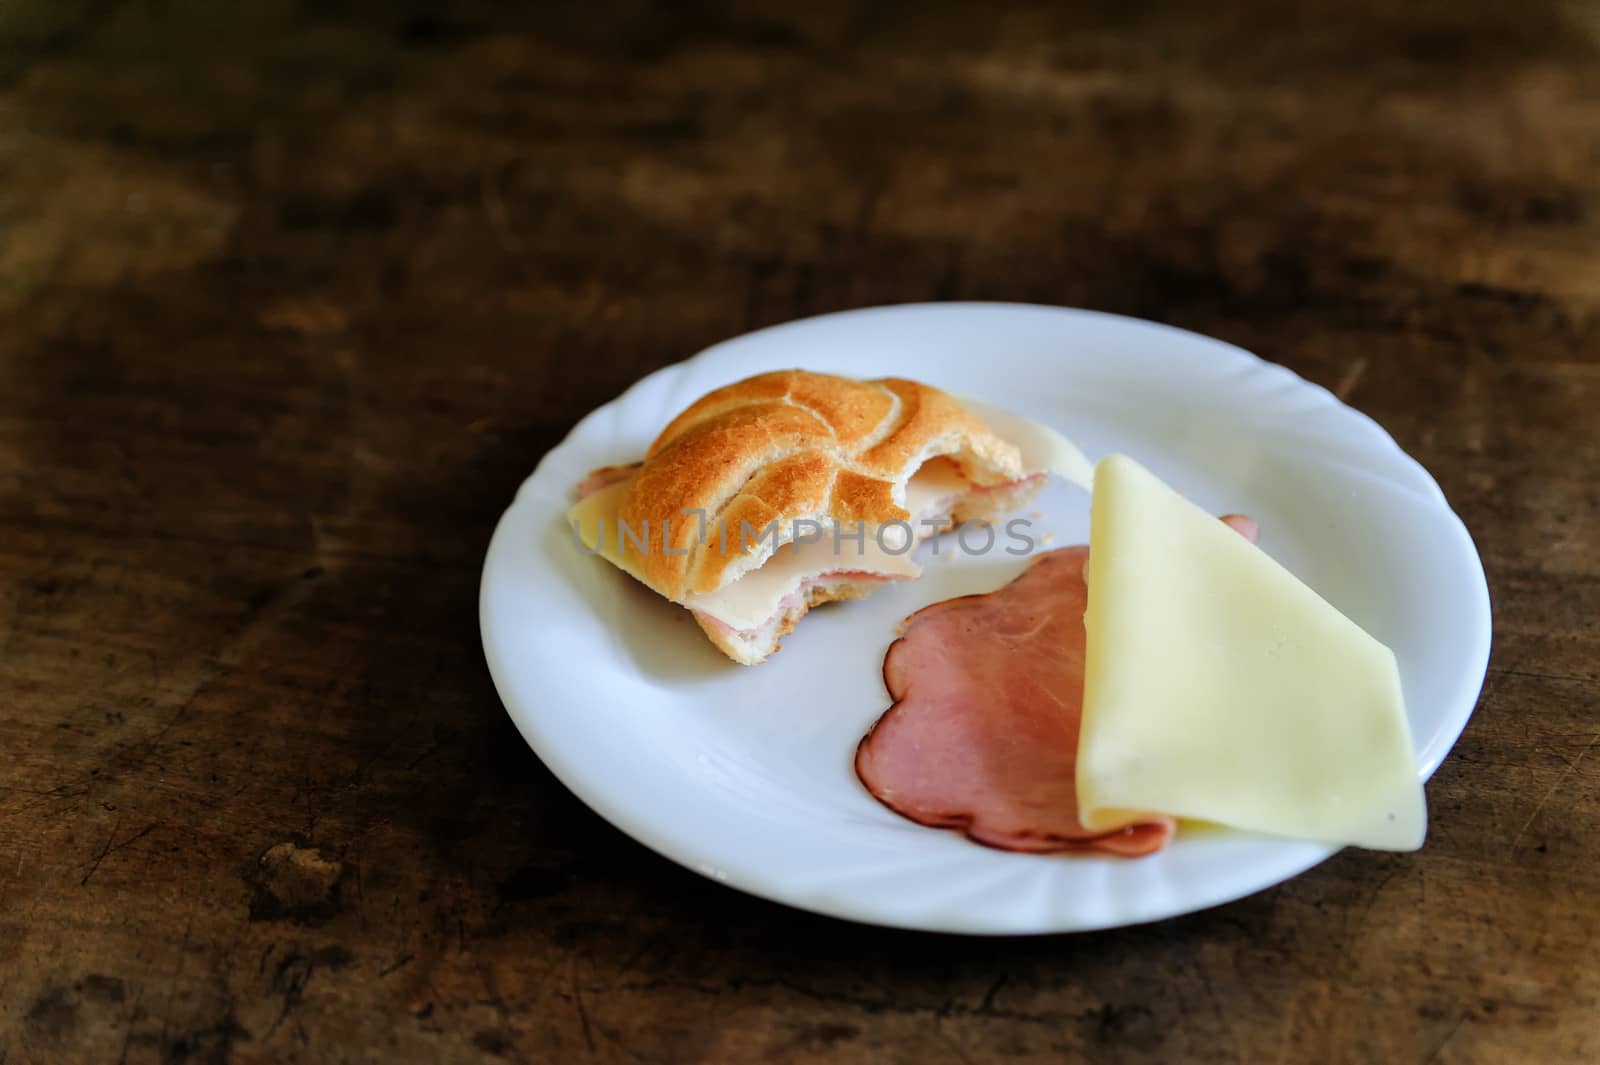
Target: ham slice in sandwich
column 791, row 489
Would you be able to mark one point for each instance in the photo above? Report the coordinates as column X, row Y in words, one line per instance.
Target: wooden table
column 291, row 301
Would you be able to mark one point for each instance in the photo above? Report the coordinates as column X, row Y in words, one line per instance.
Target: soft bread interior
column 750, row 646
column 748, row 619
column 747, row 602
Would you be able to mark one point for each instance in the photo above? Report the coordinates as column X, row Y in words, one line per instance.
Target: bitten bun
column 788, row 446
column 744, row 469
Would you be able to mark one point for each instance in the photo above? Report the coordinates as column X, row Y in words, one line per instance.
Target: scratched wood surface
column 293, row 295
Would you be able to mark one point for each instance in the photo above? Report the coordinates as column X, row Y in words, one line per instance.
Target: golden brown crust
column 849, row 408
column 785, row 446
column 929, row 423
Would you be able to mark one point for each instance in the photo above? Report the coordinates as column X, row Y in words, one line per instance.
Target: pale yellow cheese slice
column 1219, row 687
column 594, row 523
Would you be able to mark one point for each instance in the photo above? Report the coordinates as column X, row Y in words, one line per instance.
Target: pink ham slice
column 605, row 477
column 983, row 733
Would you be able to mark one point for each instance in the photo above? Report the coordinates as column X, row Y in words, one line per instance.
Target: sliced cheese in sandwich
column 1220, row 688
column 1043, row 449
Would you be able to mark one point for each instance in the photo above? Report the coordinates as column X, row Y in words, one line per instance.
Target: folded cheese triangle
column 1218, row 687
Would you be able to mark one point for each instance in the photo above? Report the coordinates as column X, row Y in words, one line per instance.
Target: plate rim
column 684, row 851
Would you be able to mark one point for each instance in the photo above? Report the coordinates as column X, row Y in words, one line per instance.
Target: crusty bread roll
column 789, row 448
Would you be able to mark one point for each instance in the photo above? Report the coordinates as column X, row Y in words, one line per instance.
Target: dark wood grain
column 293, row 295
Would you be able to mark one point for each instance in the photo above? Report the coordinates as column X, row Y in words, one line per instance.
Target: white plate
column 744, row 773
